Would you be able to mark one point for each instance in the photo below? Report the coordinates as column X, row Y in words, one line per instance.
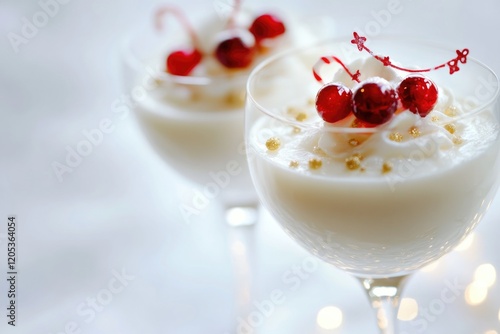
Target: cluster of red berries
column 237, row 50
column 236, row 47
column 375, row 100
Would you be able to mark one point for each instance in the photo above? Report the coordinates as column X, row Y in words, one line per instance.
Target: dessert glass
column 376, row 203
column 196, row 124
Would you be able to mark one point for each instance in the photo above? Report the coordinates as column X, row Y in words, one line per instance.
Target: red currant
column 182, row 62
column 266, row 26
column 236, row 50
column 418, row 94
column 334, row 102
column 375, row 101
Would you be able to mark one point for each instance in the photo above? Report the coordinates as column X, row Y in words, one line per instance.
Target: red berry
column 236, row 50
column 182, row 62
column 418, row 94
column 375, row 101
column 334, row 102
column 266, row 26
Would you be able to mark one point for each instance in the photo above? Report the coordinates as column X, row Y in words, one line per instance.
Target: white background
column 118, row 211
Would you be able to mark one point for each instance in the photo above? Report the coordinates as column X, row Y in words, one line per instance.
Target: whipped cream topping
column 441, row 139
column 210, row 82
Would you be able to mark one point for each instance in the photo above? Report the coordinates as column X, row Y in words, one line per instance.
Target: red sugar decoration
column 375, row 100
column 359, row 41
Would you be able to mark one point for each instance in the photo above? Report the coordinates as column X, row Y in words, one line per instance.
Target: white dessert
column 382, row 202
column 196, row 123
column 199, row 141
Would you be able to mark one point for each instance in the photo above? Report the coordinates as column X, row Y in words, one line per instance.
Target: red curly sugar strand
column 163, row 11
column 329, row 60
column 232, row 18
column 461, row 57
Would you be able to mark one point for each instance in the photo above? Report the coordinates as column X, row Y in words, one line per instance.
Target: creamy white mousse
column 383, row 201
column 196, row 123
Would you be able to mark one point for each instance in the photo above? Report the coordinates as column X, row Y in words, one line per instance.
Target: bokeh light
column 485, row 274
column 466, row 244
column 408, row 309
column 476, row 293
column 329, row 317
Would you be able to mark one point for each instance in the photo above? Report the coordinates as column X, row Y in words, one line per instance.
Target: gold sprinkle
column 353, row 162
column 296, row 129
column 273, row 143
column 396, row 136
column 362, row 169
column 292, row 110
column 301, row 117
column 294, row 164
column 358, row 155
column 158, row 82
column 235, row 98
column 353, row 142
column 356, row 123
column 319, row 151
column 414, row 131
column 311, row 101
column 196, row 95
column 315, row 163
column 451, row 111
column 457, row 140
column 435, row 118
column 386, row 167
column 451, row 128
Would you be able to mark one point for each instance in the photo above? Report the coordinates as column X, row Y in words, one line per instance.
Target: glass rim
column 343, row 39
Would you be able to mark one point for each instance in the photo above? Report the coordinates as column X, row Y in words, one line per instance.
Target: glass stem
column 241, row 222
column 384, row 295
column 243, row 253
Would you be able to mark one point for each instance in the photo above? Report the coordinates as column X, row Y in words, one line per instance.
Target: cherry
column 236, row 50
column 266, row 26
column 375, row 101
column 334, row 102
column 182, row 62
column 236, row 46
column 418, row 94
